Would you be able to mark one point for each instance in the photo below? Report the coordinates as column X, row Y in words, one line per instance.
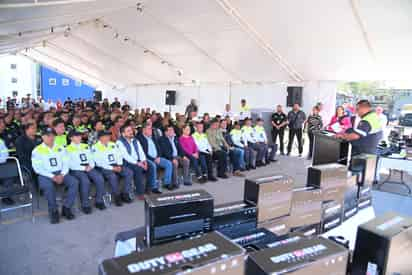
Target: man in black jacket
column 153, row 154
column 170, row 149
column 25, row 145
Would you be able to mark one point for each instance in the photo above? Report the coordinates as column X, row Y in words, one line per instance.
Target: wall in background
column 17, row 74
column 212, row 98
column 56, row 86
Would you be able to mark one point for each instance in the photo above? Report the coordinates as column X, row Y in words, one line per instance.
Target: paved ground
column 76, row 247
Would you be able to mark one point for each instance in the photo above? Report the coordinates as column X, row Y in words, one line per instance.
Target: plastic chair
column 8, row 170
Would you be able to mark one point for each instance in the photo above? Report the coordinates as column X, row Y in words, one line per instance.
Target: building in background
column 18, row 77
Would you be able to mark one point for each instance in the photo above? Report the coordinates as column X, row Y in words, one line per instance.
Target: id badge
column 53, row 162
column 111, row 157
column 83, row 157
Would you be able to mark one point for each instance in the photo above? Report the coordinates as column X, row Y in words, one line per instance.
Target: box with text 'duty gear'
column 308, row 256
column 208, row 254
column 306, row 206
column 178, row 215
column 271, row 194
column 331, row 178
column 384, row 246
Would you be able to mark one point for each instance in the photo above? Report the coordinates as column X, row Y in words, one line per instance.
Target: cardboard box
column 272, row 195
column 364, row 197
column 306, row 206
column 331, row 214
column 308, row 230
column 279, row 226
column 331, row 178
column 172, row 216
column 383, row 246
column 350, row 203
column 239, row 216
column 255, row 240
column 304, row 257
column 209, row 254
column 367, row 162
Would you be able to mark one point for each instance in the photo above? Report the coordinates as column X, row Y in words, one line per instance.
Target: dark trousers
column 206, row 164
column 49, row 189
column 281, row 133
column 195, row 163
column 298, row 134
column 85, row 179
column 311, row 140
column 113, row 179
column 221, row 157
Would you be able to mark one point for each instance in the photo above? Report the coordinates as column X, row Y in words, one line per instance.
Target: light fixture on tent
column 116, row 35
column 179, row 72
column 126, row 39
column 139, row 7
column 67, row 31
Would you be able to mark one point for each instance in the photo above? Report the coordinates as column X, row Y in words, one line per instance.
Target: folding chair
column 11, row 169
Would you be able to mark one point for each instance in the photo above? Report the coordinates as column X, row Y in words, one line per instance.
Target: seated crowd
column 80, row 143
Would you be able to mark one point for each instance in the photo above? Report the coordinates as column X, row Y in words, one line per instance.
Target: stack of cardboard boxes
column 272, row 196
column 332, row 180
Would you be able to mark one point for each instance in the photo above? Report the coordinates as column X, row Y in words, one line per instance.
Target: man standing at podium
column 367, row 134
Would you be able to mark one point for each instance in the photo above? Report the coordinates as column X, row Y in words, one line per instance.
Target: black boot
column 118, row 200
column 54, row 216
column 126, row 198
column 87, row 210
column 67, row 212
column 100, row 205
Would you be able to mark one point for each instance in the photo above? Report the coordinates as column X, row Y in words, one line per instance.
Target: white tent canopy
column 123, row 43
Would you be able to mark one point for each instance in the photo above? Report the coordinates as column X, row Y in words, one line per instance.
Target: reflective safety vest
column 48, row 161
column 374, row 121
column 201, row 142
column 237, row 137
column 260, row 134
column 61, row 140
column 79, row 156
column 106, row 156
column 4, row 152
column 249, row 134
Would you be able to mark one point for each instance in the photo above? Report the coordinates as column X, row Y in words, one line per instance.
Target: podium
column 329, row 149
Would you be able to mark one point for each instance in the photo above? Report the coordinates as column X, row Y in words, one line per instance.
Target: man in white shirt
column 135, row 159
column 228, row 112
column 382, row 117
column 205, row 152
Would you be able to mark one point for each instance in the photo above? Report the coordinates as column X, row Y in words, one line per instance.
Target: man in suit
column 152, row 151
column 171, row 150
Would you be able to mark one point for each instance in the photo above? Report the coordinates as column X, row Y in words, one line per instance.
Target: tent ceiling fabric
column 124, row 43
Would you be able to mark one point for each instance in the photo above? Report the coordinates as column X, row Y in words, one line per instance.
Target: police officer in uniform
column 249, row 135
column 49, row 163
column 366, row 136
column 81, row 165
column 279, row 123
column 60, row 129
column 262, row 139
column 110, row 163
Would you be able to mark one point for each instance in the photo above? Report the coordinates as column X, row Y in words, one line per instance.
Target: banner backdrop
column 56, row 86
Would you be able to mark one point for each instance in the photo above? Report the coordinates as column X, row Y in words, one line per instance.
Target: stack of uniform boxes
column 365, row 178
column 306, row 211
column 332, row 180
column 272, row 196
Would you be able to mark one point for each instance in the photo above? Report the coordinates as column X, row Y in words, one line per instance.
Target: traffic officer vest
column 60, row 140
column 367, row 144
column 48, row 160
column 260, row 133
column 249, row 134
column 374, row 121
column 109, row 152
column 81, row 156
column 237, row 137
column 201, row 141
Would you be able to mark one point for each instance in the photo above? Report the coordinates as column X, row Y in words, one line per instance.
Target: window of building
column 14, row 80
column 13, row 66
